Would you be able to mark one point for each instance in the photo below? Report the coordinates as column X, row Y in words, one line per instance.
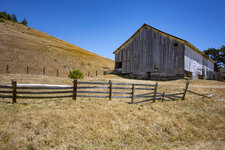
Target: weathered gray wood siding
column 197, row 63
column 150, row 49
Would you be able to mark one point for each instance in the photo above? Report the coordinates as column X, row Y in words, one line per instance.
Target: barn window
column 175, row 45
column 156, row 67
column 118, row 64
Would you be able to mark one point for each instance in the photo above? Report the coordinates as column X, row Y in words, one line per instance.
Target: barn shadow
column 128, row 76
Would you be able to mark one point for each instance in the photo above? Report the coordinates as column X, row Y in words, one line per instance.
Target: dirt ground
column 90, row 123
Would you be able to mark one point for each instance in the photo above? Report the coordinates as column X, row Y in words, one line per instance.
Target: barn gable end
column 151, row 53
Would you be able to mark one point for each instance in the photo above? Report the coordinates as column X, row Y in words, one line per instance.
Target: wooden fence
column 45, row 71
column 127, row 90
column 108, row 90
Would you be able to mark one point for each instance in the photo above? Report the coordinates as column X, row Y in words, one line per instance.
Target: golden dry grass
column 22, row 46
column 196, row 123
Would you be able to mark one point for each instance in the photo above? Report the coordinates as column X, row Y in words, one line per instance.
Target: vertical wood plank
column 14, row 91
column 75, row 89
column 185, row 90
column 156, row 86
column 110, row 90
column 132, row 97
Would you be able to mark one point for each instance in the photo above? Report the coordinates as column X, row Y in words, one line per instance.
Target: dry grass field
column 195, row 123
column 22, row 46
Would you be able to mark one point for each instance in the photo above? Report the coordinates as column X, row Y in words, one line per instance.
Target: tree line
column 218, row 55
column 6, row 16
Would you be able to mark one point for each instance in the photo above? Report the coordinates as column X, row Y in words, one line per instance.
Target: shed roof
column 166, row 34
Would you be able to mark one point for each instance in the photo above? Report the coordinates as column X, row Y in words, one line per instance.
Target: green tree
column 218, row 55
column 3, row 15
column 14, row 18
column 24, row 22
column 9, row 17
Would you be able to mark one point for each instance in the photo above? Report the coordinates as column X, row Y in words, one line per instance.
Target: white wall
column 196, row 63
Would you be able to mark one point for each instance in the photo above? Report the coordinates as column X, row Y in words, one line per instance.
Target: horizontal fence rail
column 43, row 92
column 126, row 90
column 85, row 89
column 5, row 86
column 26, row 91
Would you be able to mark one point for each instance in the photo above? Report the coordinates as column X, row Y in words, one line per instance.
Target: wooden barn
column 152, row 54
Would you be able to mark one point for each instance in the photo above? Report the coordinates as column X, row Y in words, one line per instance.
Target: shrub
column 2, row 20
column 76, row 74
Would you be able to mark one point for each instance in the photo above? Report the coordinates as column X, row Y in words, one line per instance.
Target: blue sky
column 101, row 26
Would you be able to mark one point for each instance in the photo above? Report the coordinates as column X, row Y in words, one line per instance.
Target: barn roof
column 166, row 34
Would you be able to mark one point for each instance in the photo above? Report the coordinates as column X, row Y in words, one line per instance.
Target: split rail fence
column 108, row 90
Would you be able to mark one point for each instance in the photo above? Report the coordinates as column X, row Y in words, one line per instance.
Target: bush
column 76, row 74
column 2, row 20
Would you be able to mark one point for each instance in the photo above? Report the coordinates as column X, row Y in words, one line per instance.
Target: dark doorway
column 148, row 75
column 118, row 64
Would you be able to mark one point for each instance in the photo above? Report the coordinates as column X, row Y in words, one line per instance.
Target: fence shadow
column 197, row 93
column 142, row 101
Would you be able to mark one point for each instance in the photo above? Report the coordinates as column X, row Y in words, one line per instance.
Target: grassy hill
column 93, row 123
column 22, row 46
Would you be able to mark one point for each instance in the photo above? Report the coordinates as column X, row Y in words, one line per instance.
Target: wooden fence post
column 7, row 68
column 163, row 96
column 96, row 73
column 75, row 89
column 14, row 91
column 27, row 69
column 57, row 72
column 44, row 71
column 132, row 97
column 110, row 90
column 185, row 90
column 156, row 86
